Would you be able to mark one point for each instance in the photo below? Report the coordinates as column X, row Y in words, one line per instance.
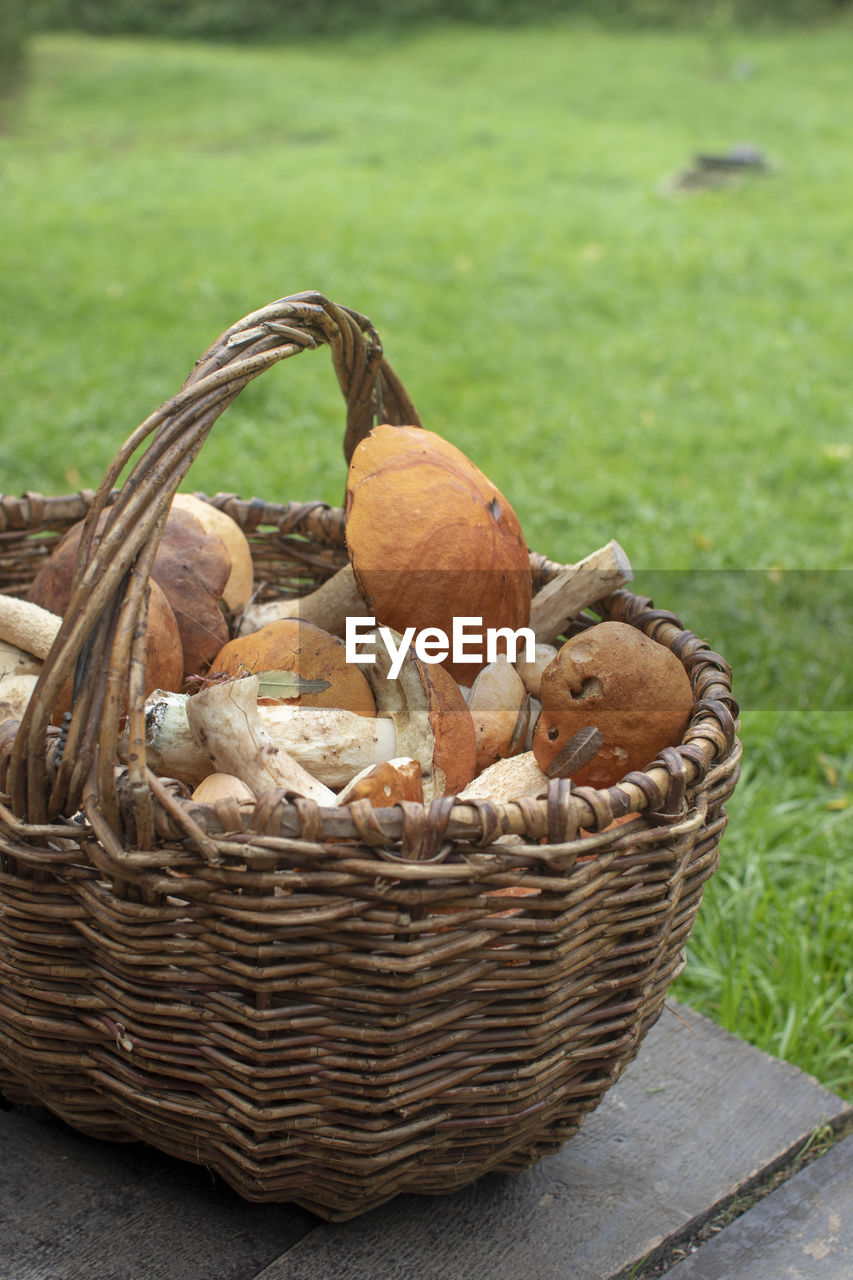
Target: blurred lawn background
column 625, row 355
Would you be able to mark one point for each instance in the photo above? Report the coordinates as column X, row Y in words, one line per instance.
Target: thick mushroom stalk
column 577, row 586
column 328, row 606
column 224, row 719
column 329, row 743
column 28, row 626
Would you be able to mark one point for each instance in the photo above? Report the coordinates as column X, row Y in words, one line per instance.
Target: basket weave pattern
column 327, row 1006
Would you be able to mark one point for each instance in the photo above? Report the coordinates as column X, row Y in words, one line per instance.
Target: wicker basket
column 326, row 1006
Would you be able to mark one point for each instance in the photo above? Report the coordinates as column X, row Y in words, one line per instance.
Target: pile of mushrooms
column 243, row 696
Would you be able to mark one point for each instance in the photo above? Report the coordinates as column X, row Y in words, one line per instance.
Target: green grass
column 625, row 359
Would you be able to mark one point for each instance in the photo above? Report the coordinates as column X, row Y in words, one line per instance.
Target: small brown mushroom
column 223, row 786
column 238, row 588
column 291, row 644
column 385, row 784
column 191, row 568
column 614, row 678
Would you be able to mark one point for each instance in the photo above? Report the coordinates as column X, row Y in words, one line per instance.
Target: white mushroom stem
column 328, row 606
column 171, row 747
column 575, row 587
column 331, row 743
column 226, row 723
column 28, row 626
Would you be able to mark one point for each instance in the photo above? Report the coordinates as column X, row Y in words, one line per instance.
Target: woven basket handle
column 101, row 643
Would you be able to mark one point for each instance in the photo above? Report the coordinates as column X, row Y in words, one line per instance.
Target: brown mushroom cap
column 312, row 653
column 191, row 568
column 452, row 724
column 164, row 662
column 237, row 591
column 616, row 679
column 431, row 538
column 386, row 784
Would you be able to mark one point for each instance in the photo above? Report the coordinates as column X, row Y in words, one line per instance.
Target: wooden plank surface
column 801, row 1231
column 75, row 1208
column 697, row 1116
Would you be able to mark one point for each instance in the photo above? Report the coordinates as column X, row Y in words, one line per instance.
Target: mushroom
column 508, row 779
column 500, row 709
column 421, row 715
column 171, row 748
column 575, row 587
column 531, row 672
column 613, row 678
column 328, row 606
column 15, row 693
column 385, row 784
column 191, row 568
column 31, row 626
column 28, row 625
column 239, row 586
column 331, row 744
column 432, row 720
column 227, row 725
column 315, row 655
column 431, row 539
column 223, row 786
column 15, row 661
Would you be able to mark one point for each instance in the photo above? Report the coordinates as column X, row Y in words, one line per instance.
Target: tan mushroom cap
column 223, row 786
column 238, row 589
column 432, row 539
column 191, row 568
column 312, row 653
column 615, row 678
column 500, row 709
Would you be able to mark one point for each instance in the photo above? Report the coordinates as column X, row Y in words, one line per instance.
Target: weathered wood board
column 75, row 1208
column 801, row 1231
column 697, row 1116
